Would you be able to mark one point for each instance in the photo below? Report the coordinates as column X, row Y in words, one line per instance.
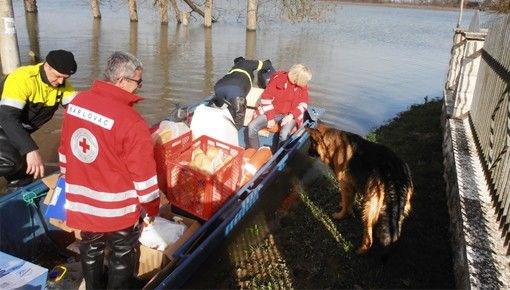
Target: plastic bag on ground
column 161, row 233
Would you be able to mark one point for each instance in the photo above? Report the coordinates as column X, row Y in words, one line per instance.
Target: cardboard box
column 16, row 273
column 151, row 261
column 51, row 182
column 63, row 226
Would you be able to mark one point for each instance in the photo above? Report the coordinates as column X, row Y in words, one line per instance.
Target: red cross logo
column 84, row 146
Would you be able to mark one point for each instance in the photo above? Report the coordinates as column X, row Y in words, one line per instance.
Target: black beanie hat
column 62, row 61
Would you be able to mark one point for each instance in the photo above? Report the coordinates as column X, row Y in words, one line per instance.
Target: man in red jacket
column 283, row 103
column 107, row 157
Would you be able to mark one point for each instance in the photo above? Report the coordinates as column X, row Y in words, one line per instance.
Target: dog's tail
column 399, row 190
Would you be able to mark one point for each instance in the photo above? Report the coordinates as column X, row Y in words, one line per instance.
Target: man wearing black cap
column 30, row 95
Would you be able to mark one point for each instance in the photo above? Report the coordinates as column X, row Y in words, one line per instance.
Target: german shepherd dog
column 372, row 170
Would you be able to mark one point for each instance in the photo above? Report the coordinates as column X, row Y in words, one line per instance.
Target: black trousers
column 235, row 98
column 121, row 262
column 12, row 164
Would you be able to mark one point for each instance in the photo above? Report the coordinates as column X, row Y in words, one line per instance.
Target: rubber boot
column 92, row 248
column 122, row 258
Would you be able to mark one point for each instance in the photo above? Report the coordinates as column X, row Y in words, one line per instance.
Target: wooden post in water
column 251, row 15
column 208, row 13
column 9, row 51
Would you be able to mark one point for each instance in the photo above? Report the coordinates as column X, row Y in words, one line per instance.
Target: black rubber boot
column 92, row 248
column 122, row 258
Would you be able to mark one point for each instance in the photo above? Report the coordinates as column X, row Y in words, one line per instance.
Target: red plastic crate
column 200, row 193
column 163, row 153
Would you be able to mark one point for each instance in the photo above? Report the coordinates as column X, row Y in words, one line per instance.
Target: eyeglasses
column 138, row 82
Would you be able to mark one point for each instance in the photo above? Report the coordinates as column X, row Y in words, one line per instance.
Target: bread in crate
column 169, row 143
column 204, row 176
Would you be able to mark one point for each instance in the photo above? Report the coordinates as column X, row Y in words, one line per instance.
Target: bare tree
column 30, row 6
column 94, row 4
column 501, row 6
column 303, row 10
column 133, row 13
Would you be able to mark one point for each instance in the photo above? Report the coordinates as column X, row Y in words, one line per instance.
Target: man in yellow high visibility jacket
column 30, row 95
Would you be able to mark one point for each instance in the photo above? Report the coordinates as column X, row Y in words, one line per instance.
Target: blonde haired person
column 283, row 103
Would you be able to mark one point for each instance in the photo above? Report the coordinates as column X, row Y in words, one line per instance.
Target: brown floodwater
column 368, row 62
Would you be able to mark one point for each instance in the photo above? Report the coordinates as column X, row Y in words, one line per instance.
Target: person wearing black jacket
column 233, row 87
column 30, row 95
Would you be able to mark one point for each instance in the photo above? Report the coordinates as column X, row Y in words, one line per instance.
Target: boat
column 27, row 229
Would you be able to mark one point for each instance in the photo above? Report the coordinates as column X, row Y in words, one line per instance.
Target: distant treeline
column 502, row 6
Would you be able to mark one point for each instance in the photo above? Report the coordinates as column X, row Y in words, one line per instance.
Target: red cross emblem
column 84, row 146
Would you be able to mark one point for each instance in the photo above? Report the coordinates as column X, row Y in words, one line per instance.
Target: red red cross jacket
column 283, row 97
column 106, row 154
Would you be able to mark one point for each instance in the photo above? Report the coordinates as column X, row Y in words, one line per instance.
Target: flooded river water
column 368, row 62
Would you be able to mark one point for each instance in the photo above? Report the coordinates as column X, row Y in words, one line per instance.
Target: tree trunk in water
column 163, row 9
column 208, row 13
column 251, row 15
column 30, row 6
column 94, row 4
column 177, row 11
column 133, row 14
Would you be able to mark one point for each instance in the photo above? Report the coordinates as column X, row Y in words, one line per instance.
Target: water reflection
column 95, row 48
column 208, row 59
column 251, row 41
column 133, row 37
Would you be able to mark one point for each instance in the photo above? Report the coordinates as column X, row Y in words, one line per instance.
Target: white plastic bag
column 215, row 123
column 161, row 233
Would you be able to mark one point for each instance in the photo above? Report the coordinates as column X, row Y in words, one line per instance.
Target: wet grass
column 296, row 244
